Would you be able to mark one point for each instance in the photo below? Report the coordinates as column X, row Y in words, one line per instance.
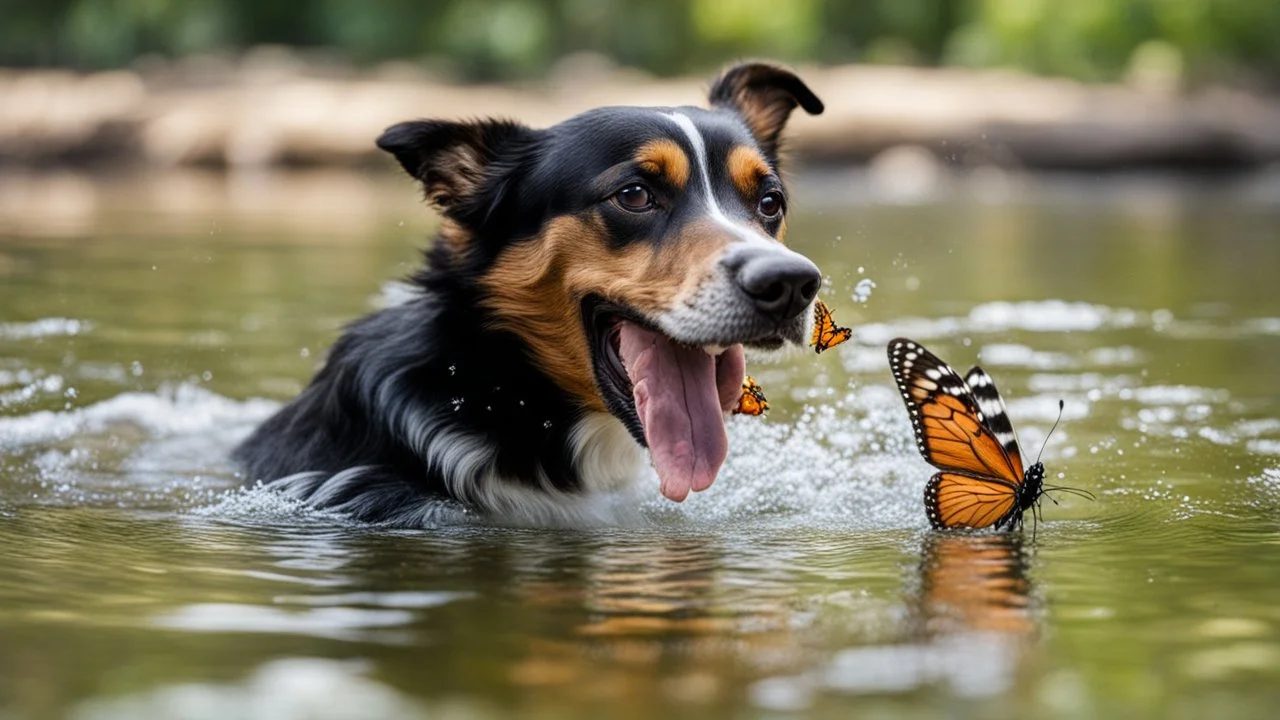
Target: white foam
column 286, row 689
column 1010, row 354
column 1263, row 447
column 1179, row 395
column 1263, row 326
column 337, row 623
column 850, row 461
column 44, row 327
column 971, row 665
column 1052, row 316
column 173, row 410
column 30, row 390
column 1000, row 317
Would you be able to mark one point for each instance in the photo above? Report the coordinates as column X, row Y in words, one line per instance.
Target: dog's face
column 634, row 250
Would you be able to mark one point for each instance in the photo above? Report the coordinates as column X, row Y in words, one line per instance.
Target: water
column 147, row 323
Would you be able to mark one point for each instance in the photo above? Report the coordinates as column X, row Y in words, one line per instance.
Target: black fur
column 401, row 382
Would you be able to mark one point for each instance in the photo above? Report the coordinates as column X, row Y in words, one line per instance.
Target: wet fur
column 477, row 395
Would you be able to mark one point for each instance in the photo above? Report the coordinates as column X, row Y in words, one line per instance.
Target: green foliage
column 514, row 39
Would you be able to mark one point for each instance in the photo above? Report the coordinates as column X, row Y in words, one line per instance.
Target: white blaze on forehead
column 700, row 159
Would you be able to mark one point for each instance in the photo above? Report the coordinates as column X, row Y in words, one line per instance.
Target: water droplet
column 862, row 291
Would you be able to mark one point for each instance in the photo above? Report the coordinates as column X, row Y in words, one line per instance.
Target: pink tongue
column 680, row 395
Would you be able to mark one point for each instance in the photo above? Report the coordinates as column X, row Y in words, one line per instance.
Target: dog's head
column 635, row 251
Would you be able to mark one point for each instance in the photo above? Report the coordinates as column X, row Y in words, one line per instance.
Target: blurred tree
column 514, row 39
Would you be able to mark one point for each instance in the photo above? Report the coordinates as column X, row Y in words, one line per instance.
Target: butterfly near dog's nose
column 826, row 335
column 753, row 401
column 962, row 427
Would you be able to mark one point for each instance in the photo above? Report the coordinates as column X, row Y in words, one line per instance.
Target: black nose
column 781, row 286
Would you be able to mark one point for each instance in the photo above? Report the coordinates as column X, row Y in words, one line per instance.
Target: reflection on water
column 974, row 584
column 142, row 333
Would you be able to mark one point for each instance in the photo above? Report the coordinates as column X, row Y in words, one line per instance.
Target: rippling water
column 144, row 330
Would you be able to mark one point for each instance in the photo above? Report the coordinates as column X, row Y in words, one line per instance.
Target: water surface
column 147, row 323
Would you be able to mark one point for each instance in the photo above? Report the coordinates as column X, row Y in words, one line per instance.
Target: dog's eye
column 635, row 198
column 771, row 204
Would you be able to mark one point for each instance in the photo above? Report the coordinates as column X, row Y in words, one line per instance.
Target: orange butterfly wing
column 752, row 401
column 980, row 481
column 950, row 429
column 961, row 500
column 957, row 440
column 826, row 334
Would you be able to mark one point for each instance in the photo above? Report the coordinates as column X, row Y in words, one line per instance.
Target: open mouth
column 671, row 396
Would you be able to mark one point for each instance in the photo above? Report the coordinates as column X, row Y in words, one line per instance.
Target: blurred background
column 500, row 40
column 1083, row 84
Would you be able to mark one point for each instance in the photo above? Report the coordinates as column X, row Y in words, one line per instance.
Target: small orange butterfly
column 826, row 334
column 752, row 401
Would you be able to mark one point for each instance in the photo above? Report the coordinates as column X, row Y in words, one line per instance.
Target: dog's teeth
column 713, row 350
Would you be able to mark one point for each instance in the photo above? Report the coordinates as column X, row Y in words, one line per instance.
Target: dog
column 579, row 323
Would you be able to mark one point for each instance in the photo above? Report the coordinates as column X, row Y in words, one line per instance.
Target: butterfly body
column 826, row 333
column 963, row 429
column 752, row 401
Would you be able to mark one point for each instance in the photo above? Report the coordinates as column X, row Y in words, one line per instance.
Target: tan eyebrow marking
column 747, row 168
column 664, row 157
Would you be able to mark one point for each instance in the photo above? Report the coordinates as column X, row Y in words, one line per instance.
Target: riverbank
column 271, row 110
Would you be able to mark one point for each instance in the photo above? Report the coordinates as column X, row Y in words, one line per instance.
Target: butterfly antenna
column 1068, row 490
column 1061, row 404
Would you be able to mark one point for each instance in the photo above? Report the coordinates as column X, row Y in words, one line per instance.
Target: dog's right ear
column 452, row 159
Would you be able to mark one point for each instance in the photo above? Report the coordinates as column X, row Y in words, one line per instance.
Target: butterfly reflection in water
column 974, row 583
column 963, row 429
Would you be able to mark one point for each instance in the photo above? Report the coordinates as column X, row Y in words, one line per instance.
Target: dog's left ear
column 764, row 96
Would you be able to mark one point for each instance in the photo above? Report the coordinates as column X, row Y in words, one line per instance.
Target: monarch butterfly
column 963, row 429
column 752, row 401
column 826, row 334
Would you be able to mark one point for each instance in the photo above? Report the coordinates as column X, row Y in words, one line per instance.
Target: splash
column 181, row 410
column 862, row 291
column 850, row 462
column 42, row 328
